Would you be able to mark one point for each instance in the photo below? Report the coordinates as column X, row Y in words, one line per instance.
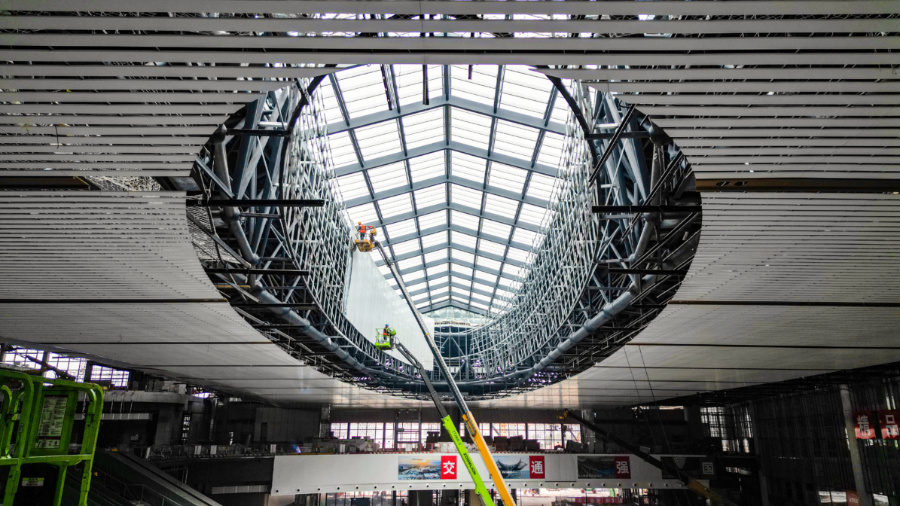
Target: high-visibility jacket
column 362, row 229
column 388, row 331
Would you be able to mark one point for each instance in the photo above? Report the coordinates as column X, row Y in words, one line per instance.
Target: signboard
column 513, row 467
column 889, row 421
column 536, row 467
column 53, row 418
column 695, row 467
column 448, row 467
column 604, row 467
column 419, row 467
column 864, row 425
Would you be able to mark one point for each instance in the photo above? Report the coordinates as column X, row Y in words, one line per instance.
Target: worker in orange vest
column 362, row 231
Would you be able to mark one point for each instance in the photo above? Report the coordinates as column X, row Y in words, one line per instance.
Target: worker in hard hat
column 362, row 230
column 387, row 338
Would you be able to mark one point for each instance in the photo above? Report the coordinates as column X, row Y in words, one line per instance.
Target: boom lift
column 465, row 413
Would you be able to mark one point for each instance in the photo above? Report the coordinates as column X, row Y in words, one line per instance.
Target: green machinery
column 467, row 417
column 38, row 442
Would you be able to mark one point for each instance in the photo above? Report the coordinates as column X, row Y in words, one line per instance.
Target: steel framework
column 285, row 267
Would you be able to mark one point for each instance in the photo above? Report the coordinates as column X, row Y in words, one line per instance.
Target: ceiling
column 460, row 187
column 798, row 96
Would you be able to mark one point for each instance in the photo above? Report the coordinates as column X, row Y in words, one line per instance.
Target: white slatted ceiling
column 89, row 271
column 819, row 247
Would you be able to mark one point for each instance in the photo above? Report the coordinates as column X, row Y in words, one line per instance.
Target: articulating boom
column 468, row 419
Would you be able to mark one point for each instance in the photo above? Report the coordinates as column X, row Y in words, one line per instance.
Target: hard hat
column 387, row 324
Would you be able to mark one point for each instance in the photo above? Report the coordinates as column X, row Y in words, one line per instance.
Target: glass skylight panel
column 393, row 206
column 491, row 227
column 434, row 256
column 491, row 247
column 479, row 305
column 500, row 205
column 402, row 228
column 507, row 177
column 466, row 196
column 423, row 297
column 561, row 110
column 532, row 215
column 441, row 280
column 427, row 166
column 467, row 167
column 551, row 149
column 433, row 195
column 523, row 236
column 342, row 152
column 518, row 255
column 481, row 88
column 405, row 247
column 461, row 292
column 479, row 297
column 462, row 256
column 493, row 265
column 364, row 213
column 541, row 187
column 440, row 299
column 470, row 128
column 434, row 239
column 416, row 287
column 413, row 277
column 515, row 140
column 464, row 220
column 409, row 83
column 433, row 220
column 458, row 280
column 465, row 240
column 525, row 91
column 458, row 298
column 363, row 90
column 424, row 128
column 512, row 270
column 332, row 109
column 503, row 294
column 488, row 278
column 352, row 186
column 437, row 269
column 410, row 263
column 388, row 177
column 378, row 140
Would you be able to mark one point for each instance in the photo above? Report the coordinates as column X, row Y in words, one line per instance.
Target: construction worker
column 362, row 230
column 372, row 234
column 388, row 333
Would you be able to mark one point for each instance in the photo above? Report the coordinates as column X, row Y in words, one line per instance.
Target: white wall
column 371, row 302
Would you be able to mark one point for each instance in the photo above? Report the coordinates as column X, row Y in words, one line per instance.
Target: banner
column 864, row 425
column 889, row 421
column 604, row 467
column 419, row 468
column 513, row 467
column 536, row 467
column 448, row 467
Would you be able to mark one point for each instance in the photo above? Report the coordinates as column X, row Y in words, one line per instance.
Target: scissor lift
column 37, row 437
column 467, row 417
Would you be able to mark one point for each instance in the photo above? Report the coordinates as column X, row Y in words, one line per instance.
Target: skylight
column 458, row 185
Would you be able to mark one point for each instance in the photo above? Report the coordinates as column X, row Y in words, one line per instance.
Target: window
column 548, row 435
column 116, row 377
column 339, row 430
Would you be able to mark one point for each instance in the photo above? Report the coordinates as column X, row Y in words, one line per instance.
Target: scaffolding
column 285, row 267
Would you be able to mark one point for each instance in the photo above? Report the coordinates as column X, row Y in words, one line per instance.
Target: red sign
column 448, row 467
column 864, row 425
column 852, row 498
column 623, row 467
column 536, row 467
column 890, row 424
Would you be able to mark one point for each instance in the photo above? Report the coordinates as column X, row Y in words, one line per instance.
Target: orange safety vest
column 362, row 229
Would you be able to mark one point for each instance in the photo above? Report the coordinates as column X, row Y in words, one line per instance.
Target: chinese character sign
column 890, row 424
column 448, row 467
column 864, row 425
column 623, row 467
column 536, row 467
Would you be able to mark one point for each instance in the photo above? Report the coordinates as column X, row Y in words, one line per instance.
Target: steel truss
column 572, row 310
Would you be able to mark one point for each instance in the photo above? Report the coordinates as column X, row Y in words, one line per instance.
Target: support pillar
column 855, row 459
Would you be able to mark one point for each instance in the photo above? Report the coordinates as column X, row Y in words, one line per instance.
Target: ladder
column 466, row 415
